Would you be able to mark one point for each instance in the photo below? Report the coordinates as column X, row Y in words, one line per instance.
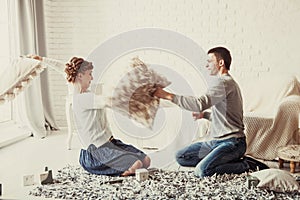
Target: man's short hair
column 222, row 53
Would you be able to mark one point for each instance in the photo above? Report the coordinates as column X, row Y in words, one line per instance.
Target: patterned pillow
column 133, row 95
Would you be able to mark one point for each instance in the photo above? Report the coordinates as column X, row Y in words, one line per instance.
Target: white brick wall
column 262, row 35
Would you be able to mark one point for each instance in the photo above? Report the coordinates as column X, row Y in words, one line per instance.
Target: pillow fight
column 137, row 96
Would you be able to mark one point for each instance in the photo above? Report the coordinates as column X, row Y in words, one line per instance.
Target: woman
column 103, row 154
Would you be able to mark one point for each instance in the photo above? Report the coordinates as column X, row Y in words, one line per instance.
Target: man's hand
column 160, row 93
column 198, row 115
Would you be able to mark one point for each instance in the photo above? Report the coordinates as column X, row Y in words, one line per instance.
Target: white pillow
column 17, row 76
column 276, row 180
column 133, row 95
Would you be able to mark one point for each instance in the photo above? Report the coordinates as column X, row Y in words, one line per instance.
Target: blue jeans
column 216, row 156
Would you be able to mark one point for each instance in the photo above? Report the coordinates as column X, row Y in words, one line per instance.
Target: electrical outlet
column 28, row 180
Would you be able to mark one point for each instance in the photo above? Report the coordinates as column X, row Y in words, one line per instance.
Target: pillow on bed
column 17, row 76
column 276, row 180
column 133, row 95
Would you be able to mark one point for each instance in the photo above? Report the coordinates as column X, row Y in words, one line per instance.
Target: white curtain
column 33, row 106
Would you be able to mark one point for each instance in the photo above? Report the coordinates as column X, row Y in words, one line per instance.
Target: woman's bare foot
column 146, row 162
column 137, row 165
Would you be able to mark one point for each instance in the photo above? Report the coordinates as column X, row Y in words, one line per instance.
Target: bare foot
column 127, row 173
column 137, row 165
column 146, row 162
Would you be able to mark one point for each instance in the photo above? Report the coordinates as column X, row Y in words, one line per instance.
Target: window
column 6, row 108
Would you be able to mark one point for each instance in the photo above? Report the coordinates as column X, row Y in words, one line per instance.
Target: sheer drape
column 33, row 106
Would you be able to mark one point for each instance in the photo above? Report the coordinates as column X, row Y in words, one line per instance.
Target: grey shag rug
column 72, row 182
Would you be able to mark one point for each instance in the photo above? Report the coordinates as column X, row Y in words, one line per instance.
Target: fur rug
column 72, row 182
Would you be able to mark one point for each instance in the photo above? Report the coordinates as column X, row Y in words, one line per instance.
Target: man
column 224, row 151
